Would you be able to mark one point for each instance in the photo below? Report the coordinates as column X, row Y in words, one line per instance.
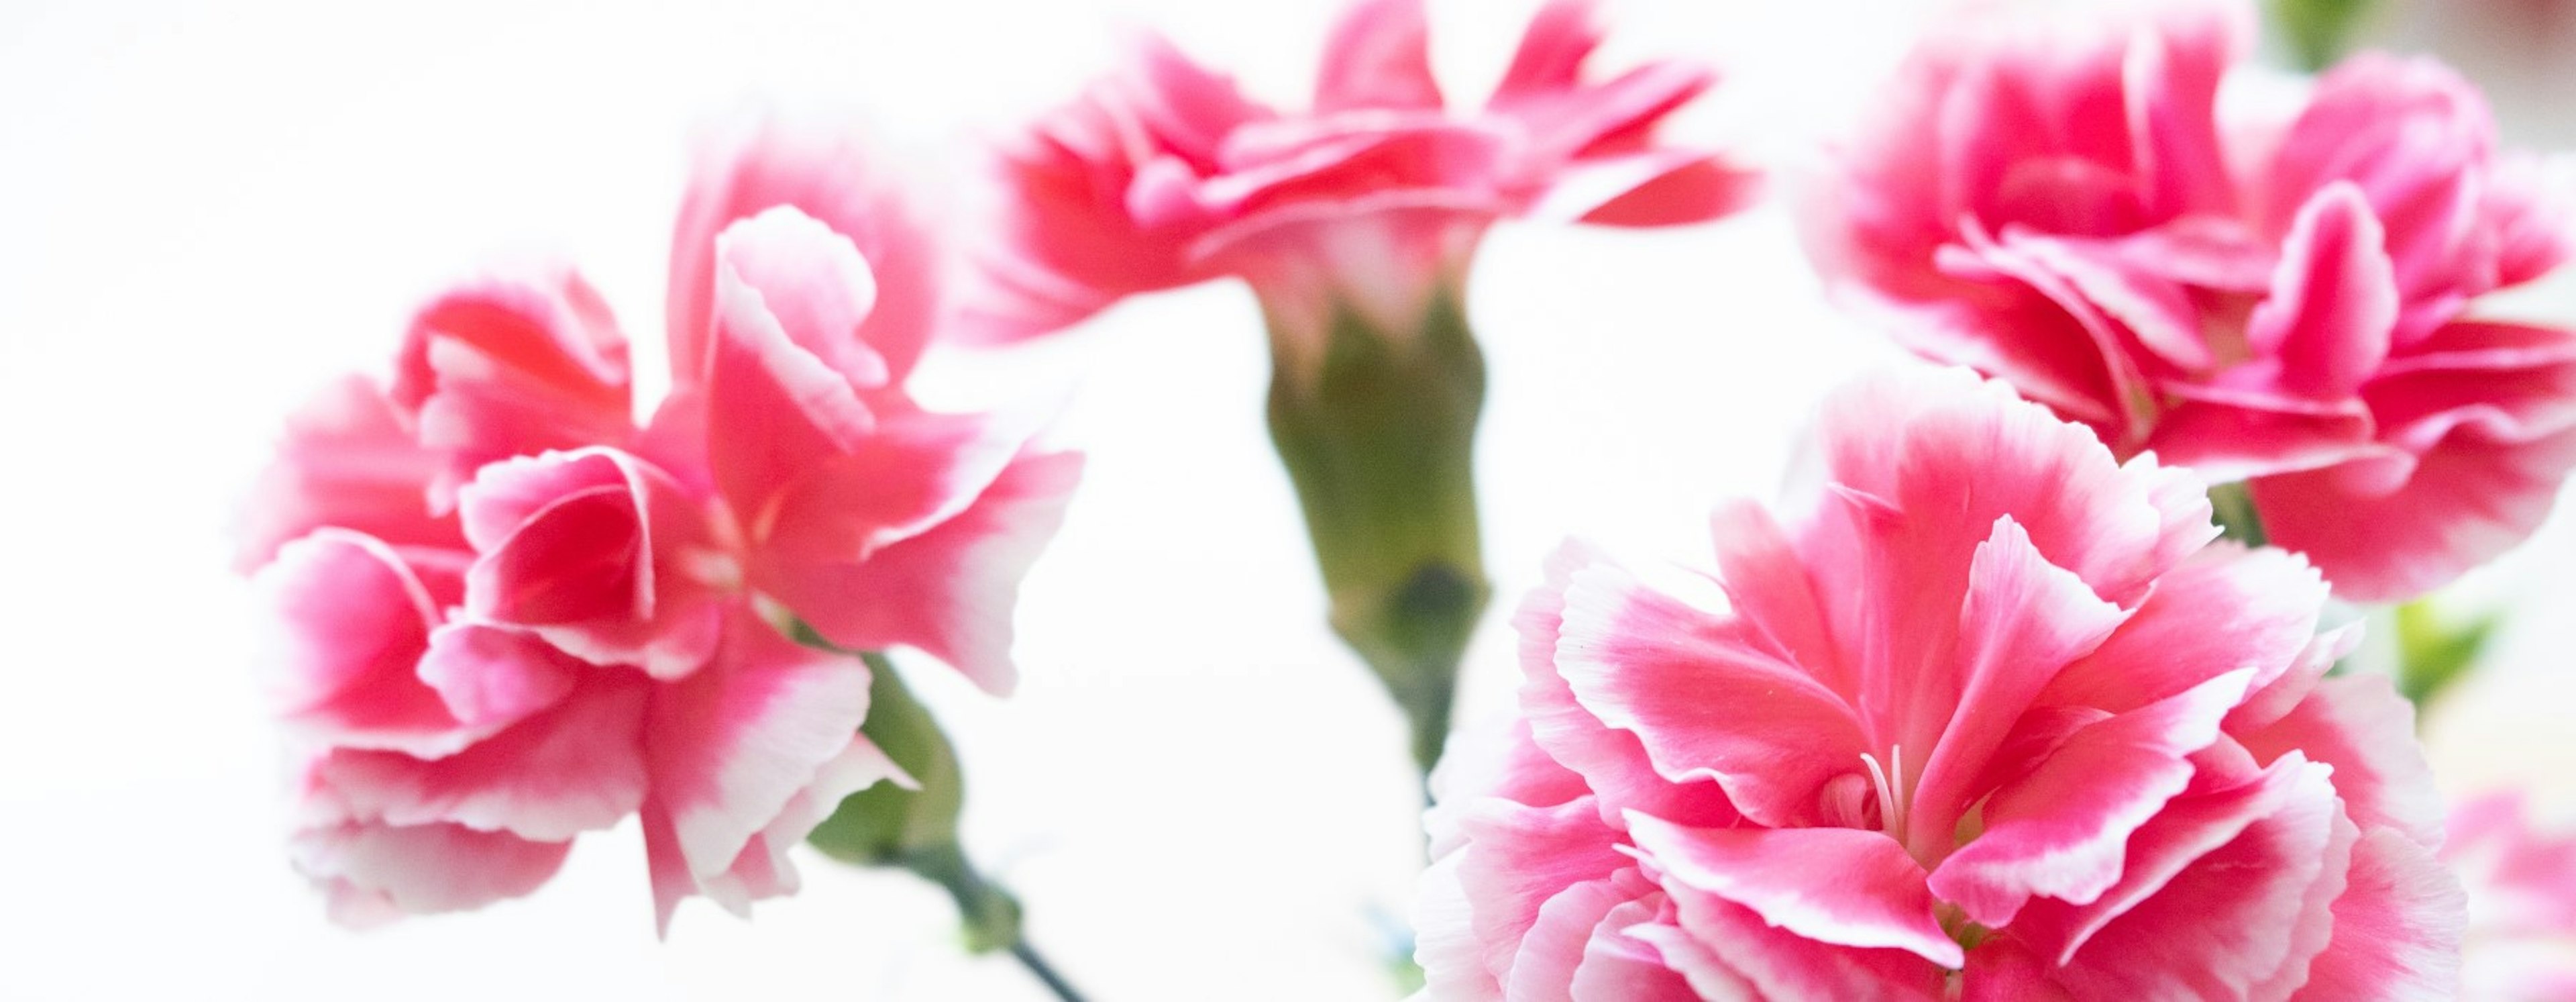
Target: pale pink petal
column 2226, row 895
column 764, row 160
column 1378, row 56
column 732, row 746
column 774, row 409
column 1841, row 886
column 575, row 767
column 1722, row 943
column 1619, row 967
column 813, row 282
column 349, row 621
column 487, row 675
column 2397, row 926
column 763, row 869
column 1770, row 734
column 947, row 591
column 1555, row 946
column 1519, row 857
column 1602, row 758
column 376, row 872
column 349, row 459
column 2360, row 725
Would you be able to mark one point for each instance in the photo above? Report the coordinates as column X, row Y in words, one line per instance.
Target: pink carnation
column 2284, row 299
column 2521, row 879
column 1987, row 716
column 1167, row 175
column 506, row 615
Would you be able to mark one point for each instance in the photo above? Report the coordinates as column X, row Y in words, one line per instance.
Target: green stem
column 916, row 829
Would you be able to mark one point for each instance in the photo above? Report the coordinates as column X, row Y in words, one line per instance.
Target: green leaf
column 2431, row 655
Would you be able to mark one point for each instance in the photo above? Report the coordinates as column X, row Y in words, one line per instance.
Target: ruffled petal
column 1378, row 56
column 949, row 590
column 732, row 746
column 1840, row 886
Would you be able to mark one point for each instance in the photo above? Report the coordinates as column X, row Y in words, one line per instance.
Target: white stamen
column 1891, row 797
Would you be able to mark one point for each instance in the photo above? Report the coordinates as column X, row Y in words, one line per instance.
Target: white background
column 206, row 210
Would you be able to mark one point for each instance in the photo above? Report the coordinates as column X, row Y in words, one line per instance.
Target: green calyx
column 916, row 829
column 1377, row 429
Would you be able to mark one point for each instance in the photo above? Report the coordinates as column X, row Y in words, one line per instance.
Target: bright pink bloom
column 2521, row 880
column 2283, row 300
column 1167, row 175
column 1986, row 717
column 507, row 615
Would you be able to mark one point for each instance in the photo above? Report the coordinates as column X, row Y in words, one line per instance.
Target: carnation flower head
column 2285, row 296
column 1371, row 200
column 1983, row 713
column 505, row 614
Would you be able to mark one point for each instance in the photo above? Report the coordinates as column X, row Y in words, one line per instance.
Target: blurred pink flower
column 2283, row 299
column 506, row 615
column 2521, row 880
column 1988, row 717
column 1166, row 175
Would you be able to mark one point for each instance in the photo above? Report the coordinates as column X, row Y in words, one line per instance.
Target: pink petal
column 348, row 459
column 1721, row 943
column 915, row 471
column 2333, row 305
column 2226, row 895
column 2397, row 926
column 1378, row 56
column 1664, row 187
column 1516, row 858
column 1768, row 732
column 2224, row 609
column 763, row 868
column 813, row 282
column 351, row 620
column 1605, row 759
column 2024, row 621
column 774, row 409
column 575, row 767
column 947, row 591
column 1557, row 942
column 732, row 746
column 377, row 872
column 2467, row 501
column 824, row 170
column 1560, row 37
column 1841, row 886
column 600, row 554
column 490, row 676
column 2360, row 725
column 2064, row 831
column 2003, row 970
column 514, row 365
column 1618, row 967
